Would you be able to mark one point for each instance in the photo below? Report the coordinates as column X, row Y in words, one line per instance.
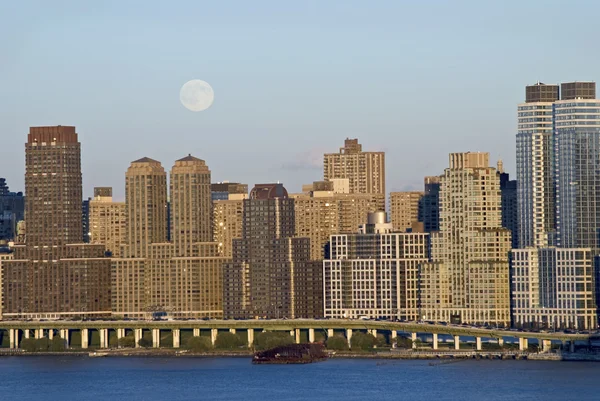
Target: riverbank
column 395, row 355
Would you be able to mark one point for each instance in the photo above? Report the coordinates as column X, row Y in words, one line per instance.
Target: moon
column 196, row 95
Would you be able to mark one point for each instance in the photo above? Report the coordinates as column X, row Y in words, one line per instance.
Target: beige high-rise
column 323, row 212
column 467, row 279
column 228, row 218
column 364, row 170
column 191, row 205
column 404, row 207
column 183, row 277
column 146, row 197
column 108, row 221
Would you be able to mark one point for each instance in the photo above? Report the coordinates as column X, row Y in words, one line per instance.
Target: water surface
column 82, row 378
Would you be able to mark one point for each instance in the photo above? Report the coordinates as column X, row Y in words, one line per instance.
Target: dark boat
column 292, row 353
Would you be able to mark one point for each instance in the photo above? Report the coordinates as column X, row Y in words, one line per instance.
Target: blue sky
column 292, row 80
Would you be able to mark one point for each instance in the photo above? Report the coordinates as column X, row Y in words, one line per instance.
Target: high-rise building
column 54, row 275
column 228, row 190
column 429, row 205
column 374, row 273
column 191, row 204
column 404, row 208
column 364, row 170
column 184, row 277
column 108, row 221
column 323, row 212
column 558, row 149
column 271, row 274
column 554, row 288
column 535, row 168
column 227, row 224
column 12, row 211
column 508, row 191
column 577, row 155
column 85, row 220
column 146, row 198
column 467, row 279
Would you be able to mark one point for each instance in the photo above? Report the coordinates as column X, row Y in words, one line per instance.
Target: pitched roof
column 190, row 158
column 145, row 160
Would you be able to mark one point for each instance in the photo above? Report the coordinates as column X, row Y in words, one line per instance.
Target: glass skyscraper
column 577, row 159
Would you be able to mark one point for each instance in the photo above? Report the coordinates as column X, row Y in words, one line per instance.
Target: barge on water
column 291, row 354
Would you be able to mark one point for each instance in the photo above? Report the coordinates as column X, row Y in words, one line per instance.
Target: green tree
column 145, row 342
column 337, row 343
column 126, row 342
column 272, row 339
column 228, row 341
column 42, row 344
column 57, row 344
column 28, row 344
column 199, row 344
column 362, row 341
column 403, row 342
column 381, row 341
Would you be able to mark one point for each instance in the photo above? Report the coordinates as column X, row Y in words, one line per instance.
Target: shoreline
column 443, row 357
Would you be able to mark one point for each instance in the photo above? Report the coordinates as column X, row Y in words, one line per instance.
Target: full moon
column 196, row 95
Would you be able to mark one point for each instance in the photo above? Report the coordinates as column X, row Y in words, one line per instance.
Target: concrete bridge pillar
column 311, row 335
column 85, row 337
column 196, row 332
column 571, row 346
column 435, row 341
column 456, row 342
column 176, row 338
column 156, row 338
column 232, row 331
column 103, row 338
column 213, row 336
column 329, row 333
column 349, row 337
column 297, row 336
column 39, row 333
column 501, row 342
column 250, row 337
column 50, row 334
column 11, row 334
column 413, row 337
column 64, row 334
column 546, row 345
column 523, row 344
column 478, row 343
column 394, row 335
column 137, row 336
column 26, row 333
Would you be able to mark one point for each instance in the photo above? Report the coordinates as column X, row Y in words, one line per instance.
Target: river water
column 82, row 378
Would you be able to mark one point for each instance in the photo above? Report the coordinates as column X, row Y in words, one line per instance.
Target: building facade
column 108, row 221
column 322, row 212
column 429, row 204
column 467, row 279
column 535, row 167
column 404, row 209
column 365, row 171
column 554, row 288
column 374, row 273
column 146, row 201
column 54, row 275
column 271, row 273
column 12, row 211
column 183, row 277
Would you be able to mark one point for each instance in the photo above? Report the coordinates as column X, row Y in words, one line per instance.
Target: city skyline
column 289, row 80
